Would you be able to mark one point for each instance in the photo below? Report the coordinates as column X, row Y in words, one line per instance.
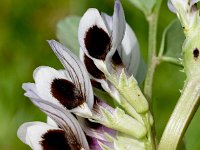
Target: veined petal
column 76, row 70
column 40, row 136
column 93, row 35
column 118, row 29
column 130, row 52
column 53, row 86
column 63, row 118
column 51, row 122
column 57, row 90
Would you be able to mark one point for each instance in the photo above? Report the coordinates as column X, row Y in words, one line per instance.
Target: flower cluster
column 77, row 119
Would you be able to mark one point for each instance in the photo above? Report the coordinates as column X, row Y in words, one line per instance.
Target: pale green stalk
column 189, row 100
column 152, row 62
column 153, row 23
column 181, row 116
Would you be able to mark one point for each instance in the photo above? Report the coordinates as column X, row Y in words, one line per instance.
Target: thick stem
column 182, row 115
column 152, row 61
column 152, row 20
column 152, row 38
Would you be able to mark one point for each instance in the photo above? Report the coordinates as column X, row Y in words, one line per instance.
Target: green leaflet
column 145, row 6
column 172, row 41
column 67, row 33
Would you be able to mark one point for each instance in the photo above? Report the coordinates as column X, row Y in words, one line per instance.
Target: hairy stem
column 152, row 38
column 152, row 20
column 181, row 116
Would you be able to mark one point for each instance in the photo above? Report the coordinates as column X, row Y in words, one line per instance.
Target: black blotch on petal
column 97, row 85
column 58, row 140
column 66, row 93
column 97, row 42
column 92, row 69
column 116, row 59
column 196, row 53
column 92, row 125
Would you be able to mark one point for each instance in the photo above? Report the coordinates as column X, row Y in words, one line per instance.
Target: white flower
column 69, row 88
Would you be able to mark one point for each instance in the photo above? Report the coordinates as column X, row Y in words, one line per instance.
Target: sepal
column 117, row 119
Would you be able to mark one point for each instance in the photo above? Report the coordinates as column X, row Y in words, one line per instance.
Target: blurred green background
column 24, row 28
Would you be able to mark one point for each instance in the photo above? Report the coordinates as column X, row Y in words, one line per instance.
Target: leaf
column 172, row 41
column 145, row 6
column 67, row 33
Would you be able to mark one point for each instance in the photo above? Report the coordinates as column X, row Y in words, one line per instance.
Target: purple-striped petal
column 41, row 136
column 76, row 71
column 63, row 118
column 118, row 28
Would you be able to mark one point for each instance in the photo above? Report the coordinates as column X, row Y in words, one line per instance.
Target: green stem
column 182, row 115
column 152, row 38
column 151, row 56
column 152, row 62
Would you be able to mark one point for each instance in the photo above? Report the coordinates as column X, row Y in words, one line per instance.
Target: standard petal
column 118, row 29
column 41, row 136
column 93, row 35
column 76, row 70
column 53, row 86
column 45, row 83
column 63, row 118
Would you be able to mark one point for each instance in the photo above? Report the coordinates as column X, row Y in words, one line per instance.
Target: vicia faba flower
column 43, row 136
column 69, row 88
column 108, row 39
column 57, row 93
column 108, row 43
column 109, row 48
column 77, row 119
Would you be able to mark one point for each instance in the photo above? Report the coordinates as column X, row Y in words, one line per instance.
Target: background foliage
column 24, row 28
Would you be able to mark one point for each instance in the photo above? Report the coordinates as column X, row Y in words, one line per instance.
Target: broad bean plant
column 102, row 99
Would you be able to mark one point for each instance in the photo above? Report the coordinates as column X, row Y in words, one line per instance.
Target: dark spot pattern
column 58, row 140
column 97, row 85
column 92, row 125
column 196, row 53
column 97, row 42
column 116, row 59
column 92, row 69
column 66, row 93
